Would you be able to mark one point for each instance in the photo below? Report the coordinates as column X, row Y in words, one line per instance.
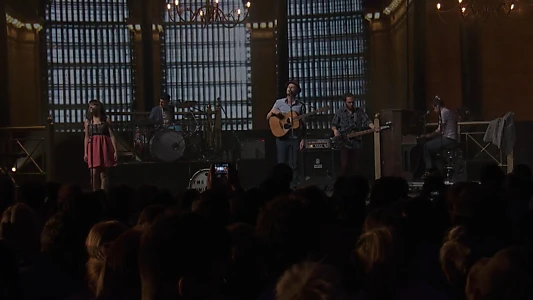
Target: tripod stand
column 230, row 155
column 421, row 143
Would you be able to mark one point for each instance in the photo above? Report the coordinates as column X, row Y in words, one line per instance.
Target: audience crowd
column 367, row 240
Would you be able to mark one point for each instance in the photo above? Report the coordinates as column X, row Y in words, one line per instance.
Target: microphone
column 219, row 102
column 425, row 114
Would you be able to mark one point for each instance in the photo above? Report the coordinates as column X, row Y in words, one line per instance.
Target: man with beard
column 288, row 145
column 163, row 114
column 348, row 119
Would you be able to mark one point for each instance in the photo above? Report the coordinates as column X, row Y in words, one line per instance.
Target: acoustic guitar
column 281, row 124
column 344, row 140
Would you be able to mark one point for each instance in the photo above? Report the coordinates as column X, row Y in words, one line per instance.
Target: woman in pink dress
column 100, row 147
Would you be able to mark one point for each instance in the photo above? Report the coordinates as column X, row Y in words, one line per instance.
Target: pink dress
column 100, row 150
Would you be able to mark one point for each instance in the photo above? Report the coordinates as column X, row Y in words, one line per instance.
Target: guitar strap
column 356, row 119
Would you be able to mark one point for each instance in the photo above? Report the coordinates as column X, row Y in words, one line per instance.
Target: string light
column 471, row 9
column 208, row 13
column 18, row 24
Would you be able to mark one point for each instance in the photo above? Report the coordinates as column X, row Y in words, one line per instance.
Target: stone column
column 471, row 68
column 265, row 61
column 5, row 119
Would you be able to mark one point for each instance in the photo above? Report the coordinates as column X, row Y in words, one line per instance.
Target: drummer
column 163, row 114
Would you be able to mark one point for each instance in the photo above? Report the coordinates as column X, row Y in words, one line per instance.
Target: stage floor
column 415, row 186
column 176, row 176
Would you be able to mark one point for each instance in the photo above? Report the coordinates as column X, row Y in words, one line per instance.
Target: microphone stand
column 424, row 132
column 304, row 137
column 91, row 154
column 312, row 108
column 333, row 171
column 233, row 131
column 441, row 164
column 292, row 119
column 293, row 140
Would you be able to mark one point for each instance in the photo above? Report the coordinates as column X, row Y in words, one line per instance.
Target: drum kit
column 176, row 140
column 198, row 180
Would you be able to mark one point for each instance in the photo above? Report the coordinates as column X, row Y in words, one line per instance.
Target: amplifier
column 318, row 143
column 318, row 163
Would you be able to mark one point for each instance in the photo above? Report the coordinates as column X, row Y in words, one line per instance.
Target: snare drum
column 198, row 181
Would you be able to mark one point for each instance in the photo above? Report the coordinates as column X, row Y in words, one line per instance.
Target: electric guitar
column 344, row 140
column 281, row 124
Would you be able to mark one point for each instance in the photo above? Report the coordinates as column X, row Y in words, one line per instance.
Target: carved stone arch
column 158, row 7
column 154, row 8
column 25, row 10
column 42, row 7
column 135, row 7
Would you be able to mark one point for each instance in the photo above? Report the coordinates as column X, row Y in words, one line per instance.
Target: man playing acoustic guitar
column 289, row 144
column 348, row 119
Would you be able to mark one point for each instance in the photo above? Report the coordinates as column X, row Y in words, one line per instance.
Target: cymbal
column 186, row 104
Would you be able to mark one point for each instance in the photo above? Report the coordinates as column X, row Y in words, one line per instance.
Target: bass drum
column 167, row 145
column 198, row 181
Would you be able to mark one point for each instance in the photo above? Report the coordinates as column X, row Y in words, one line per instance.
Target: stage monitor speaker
column 318, row 167
column 171, row 176
column 473, row 168
column 252, row 172
column 253, row 149
column 460, row 171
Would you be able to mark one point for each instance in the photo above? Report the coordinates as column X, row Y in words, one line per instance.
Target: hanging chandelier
column 209, row 12
column 477, row 9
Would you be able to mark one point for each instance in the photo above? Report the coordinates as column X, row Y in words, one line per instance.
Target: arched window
column 88, row 56
column 327, row 53
column 206, row 63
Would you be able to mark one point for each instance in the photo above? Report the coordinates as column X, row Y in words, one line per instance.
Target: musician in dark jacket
column 163, row 114
column 349, row 119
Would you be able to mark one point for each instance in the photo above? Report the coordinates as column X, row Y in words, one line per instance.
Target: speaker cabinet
column 460, row 172
column 318, row 167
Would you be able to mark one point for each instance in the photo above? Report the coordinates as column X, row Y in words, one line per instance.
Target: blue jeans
column 288, row 152
column 433, row 147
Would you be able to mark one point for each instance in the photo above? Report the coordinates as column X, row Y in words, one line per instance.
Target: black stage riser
column 175, row 176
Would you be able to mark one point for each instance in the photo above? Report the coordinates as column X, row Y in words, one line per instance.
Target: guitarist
column 348, row 119
column 288, row 145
